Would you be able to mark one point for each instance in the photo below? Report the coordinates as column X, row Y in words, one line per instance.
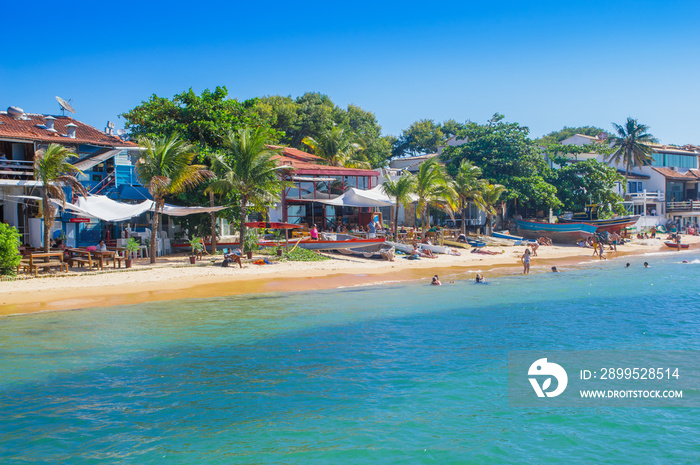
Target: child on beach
column 526, row 261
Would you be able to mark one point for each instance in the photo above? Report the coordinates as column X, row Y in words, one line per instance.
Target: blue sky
column 543, row 64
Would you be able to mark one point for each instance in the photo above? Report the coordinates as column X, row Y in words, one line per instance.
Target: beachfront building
column 666, row 190
column 106, row 160
column 315, row 183
column 475, row 217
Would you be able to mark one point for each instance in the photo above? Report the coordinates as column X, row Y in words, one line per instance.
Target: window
column 633, row 187
column 657, row 159
column 296, row 213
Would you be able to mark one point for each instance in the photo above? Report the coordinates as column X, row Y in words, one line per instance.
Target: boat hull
column 611, row 225
column 673, row 245
column 333, row 245
column 559, row 232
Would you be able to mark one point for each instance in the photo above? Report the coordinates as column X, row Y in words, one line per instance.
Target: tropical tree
column 338, row 148
column 165, row 168
column 55, row 173
column 467, row 185
column 490, row 196
column 401, row 191
column 631, row 144
column 433, row 187
column 246, row 168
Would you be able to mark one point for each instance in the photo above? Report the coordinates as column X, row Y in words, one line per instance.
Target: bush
column 9, row 249
column 303, row 255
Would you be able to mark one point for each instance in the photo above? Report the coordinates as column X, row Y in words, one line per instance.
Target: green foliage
column 433, row 188
column 303, row 255
column 421, row 137
column 132, row 246
column 9, row 249
column 165, row 168
column 590, row 181
column 246, row 169
column 313, row 114
column 55, row 173
column 200, row 119
column 196, row 244
column 338, row 147
column 631, row 144
column 250, row 241
column 401, row 191
column 507, row 156
column 555, row 137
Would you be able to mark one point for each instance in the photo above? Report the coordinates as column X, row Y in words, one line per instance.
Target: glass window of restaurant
column 296, row 214
column 657, row 159
column 681, row 161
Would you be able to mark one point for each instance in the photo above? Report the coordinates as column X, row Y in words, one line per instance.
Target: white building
column 666, row 190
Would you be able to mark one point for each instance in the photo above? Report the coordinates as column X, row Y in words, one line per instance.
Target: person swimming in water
column 554, row 269
column 646, row 265
column 436, row 281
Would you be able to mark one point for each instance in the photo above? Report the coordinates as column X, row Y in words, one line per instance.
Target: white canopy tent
column 359, row 198
column 106, row 209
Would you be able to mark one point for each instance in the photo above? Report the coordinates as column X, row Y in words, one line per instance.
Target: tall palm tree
column 631, row 144
column 467, row 184
column 338, row 148
column 490, row 195
column 247, row 169
column 401, row 191
column 52, row 169
column 433, row 187
column 165, row 168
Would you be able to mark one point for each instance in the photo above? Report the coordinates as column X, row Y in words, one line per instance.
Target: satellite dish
column 121, row 132
column 65, row 106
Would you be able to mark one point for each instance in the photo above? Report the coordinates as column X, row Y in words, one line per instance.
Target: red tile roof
column 307, row 163
column 31, row 127
column 690, row 175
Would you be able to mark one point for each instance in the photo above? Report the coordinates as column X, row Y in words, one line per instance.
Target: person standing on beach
column 526, row 261
column 372, row 229
column 614, row 237
column 535, row 245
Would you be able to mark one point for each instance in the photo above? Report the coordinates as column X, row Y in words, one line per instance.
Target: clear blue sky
column 542, row 64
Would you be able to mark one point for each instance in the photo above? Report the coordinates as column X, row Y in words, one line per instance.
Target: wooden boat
column 433, row 248
column 338, row 241
column 673, row 245
column 461, row 245
column 380, row 251
column 590, row 216
column 558, row 232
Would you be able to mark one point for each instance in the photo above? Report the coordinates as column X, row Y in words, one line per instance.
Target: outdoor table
column 104, row 256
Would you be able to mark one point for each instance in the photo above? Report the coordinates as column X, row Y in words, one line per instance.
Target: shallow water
column 389, row 374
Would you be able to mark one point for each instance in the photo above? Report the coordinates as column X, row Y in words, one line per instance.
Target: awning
column 20, row 183
column 360, row 198
column 106, row 209
column 96, row 158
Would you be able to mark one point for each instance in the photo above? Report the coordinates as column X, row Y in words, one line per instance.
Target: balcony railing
column 653, row 196
column 17, row 169
column 686, row 206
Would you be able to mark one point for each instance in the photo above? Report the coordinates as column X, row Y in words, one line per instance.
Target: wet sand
column 171, row 279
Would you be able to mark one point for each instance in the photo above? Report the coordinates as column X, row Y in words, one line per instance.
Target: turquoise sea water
column 385, row 374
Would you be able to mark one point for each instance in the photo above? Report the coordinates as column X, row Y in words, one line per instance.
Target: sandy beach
column 171, row 278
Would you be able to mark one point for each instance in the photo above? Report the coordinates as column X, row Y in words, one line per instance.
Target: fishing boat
column 674, row 245
column 337, row 241
column 558, row 232
column 518, row 240
column 380, row 251
column 433, row 248
column 590, row 216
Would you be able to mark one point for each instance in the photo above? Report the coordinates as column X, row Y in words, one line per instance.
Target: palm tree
column 401, row 191
column 490, row 195
column 433, row 187
column 338, row 148
column 248, row 170
column 52, row 169
column 467, row 185
column 631, row 144
column 165, row 168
